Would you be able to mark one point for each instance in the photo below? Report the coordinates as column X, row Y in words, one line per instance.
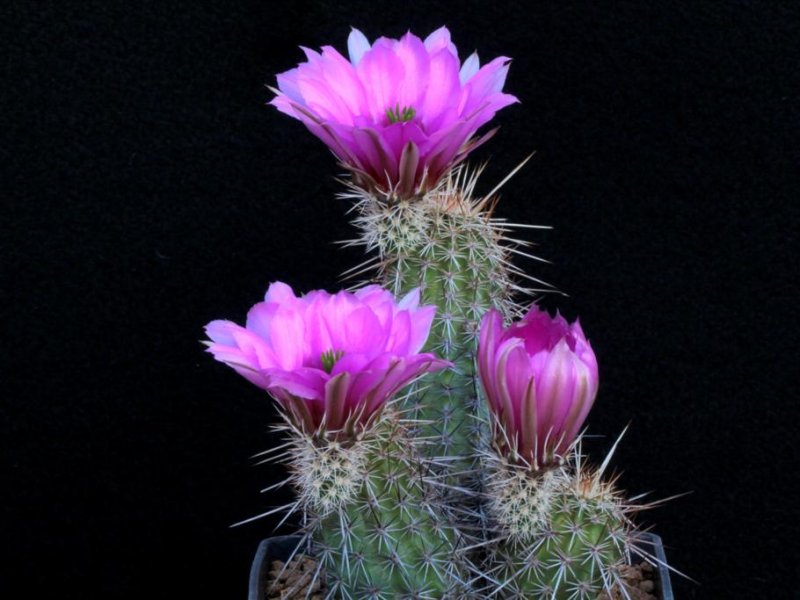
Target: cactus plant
column 333, row 363
column 471, row 484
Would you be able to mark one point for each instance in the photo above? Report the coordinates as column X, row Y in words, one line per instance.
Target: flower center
column 400, row 115
column 329, row 359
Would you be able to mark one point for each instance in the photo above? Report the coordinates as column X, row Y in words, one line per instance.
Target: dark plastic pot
column 652, row 545
column 270, row 549
column 281, row 548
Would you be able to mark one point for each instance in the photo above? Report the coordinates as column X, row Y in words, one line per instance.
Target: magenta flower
column 330, row 360
column 400, row 113
column 540, row 378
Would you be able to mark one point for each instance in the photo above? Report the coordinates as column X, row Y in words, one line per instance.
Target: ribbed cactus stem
column 448, row 244
column 377, row 529
column 563, row 533
column 457, row 267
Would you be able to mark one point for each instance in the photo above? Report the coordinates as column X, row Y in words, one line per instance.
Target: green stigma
column 398, row 115
column 329, row 359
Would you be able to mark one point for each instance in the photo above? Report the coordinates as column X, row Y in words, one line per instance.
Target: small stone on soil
column 294, row 580
column 639, row 583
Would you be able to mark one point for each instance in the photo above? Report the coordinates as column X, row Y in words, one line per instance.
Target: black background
column 147, row 189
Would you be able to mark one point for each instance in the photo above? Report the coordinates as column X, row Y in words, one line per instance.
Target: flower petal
column 440, row 39
column 337, row 409
column 469, row 68
column 357, row 46
column 381, row 72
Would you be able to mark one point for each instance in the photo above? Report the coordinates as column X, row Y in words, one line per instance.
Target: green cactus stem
column 563, row 533
column 448, row 244
column 375, row 526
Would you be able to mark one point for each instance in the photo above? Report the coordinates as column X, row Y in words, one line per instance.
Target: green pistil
column 329, row 359
column 398, row 115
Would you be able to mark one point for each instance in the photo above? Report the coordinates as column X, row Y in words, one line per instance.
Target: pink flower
column 331, row 360
column 540, row 378
column 399, row 113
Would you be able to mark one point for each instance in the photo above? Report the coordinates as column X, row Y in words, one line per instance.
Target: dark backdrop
column 147, row 189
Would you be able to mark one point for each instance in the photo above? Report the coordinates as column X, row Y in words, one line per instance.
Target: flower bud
column 540, row 379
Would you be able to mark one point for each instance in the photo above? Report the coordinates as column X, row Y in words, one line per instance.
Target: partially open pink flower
column 398, row 113
column 331, row 360
column 540, row 378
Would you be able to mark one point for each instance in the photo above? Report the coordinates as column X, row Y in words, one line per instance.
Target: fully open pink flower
column 331, row 360
column 398, row 113
column 540, row 378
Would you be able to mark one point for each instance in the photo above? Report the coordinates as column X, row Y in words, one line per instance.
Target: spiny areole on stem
column 448, row 243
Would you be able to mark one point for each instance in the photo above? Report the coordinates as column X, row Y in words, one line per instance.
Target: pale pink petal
column 444, row 69
column 469, row 68
column 517, row 377
column 287, row 83
column 302, row 382
column 280, row 293
column 396, row 136
column 410, row 301
column 255, row 349
column 381, row 72
column 320, row 98
column 400, row 339
column 552, row 388
column 529, row 424
column 375, row 295
column 586, row 392
column 319, row 337
column 352, row 362
column 361, row 332
column 500, row 394
column 342, row 79
column 286, row 329
column 440, row 40
column 416, row 70
column 491, row 327
column 220, row 331
column 259, row 318
column 420, row 327
column 340, row 141
column 380, row 158
column 357, row 46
